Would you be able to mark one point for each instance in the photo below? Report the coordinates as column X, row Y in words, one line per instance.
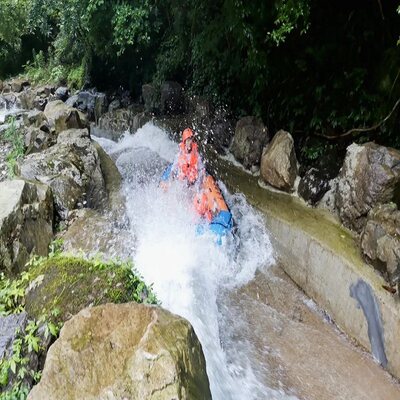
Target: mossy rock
column 61, row 286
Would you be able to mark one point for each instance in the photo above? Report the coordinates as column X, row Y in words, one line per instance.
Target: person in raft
column 188, row 165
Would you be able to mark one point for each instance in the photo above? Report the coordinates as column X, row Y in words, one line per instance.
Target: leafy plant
column 12, row 293
column 15, row 137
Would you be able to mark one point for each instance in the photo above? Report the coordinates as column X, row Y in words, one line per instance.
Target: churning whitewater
column 190, row 273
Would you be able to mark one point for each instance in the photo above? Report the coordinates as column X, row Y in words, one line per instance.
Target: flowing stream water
column 191, row 274
column 261, row 336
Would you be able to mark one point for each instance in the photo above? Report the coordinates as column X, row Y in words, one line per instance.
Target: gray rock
column 380, row 240
column 149, row 353
column 63, row 117
column 100, row 106
column 114, row 105
column 279, row 163
column 35, row 118
column 313, row 185
column 26, row 98
column 26, row 223
column 114, row 124
column 45, row 91
column 72, row 101
column 222, row 131
column 172, row 100
column 71, row 168
column 370, row 175
column 38, row 139
column 17, row 85
column 6, row 88
column 250, row 138
column 62, row 93
column 151, row 97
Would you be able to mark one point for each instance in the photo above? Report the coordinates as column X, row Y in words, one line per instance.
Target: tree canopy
column 309, row 66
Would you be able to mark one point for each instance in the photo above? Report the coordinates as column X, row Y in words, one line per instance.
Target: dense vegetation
column 309, row 66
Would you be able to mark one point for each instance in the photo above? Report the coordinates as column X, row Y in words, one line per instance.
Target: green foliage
column 17, row 363
column 15, row 137
column 12, row 293
column 297, row 64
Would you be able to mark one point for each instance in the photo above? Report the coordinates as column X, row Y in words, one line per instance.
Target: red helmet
column 187, row 133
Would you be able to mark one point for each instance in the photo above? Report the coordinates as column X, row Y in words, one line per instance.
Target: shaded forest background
column 312, row 67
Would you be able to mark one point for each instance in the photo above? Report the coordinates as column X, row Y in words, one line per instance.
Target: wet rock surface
column 380, row 240
column 249, row 140
column 279, row 163
column 26, row 223
column 370, row 175
column 303, row 354
column 149, row 353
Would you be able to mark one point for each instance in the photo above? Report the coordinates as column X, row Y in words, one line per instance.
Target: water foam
column 190, row 273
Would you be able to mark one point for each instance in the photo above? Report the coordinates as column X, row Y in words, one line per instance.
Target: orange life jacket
column 209, row 201
column 188, row 163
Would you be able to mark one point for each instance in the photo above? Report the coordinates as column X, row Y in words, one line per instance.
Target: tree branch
column 361, row 130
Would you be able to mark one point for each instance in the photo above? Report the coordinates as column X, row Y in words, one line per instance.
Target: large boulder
column 126, row 351
column 26, row 223
column 63, row 117
column 113, row 124
column 370, row 175
column 172, row 100
column 62, row 93
column 279, row 163
column 250, row 137
column 71, row 168
column 93, row 103
column 380, row 240
column 70, row 283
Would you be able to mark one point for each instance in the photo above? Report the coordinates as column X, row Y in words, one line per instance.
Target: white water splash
column 190, row 272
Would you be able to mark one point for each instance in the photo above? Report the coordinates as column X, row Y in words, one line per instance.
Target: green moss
column 69, row 284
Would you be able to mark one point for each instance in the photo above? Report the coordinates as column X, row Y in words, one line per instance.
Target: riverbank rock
column 63, row 117
column 71, row 168
column 26, row 223
column 380, row 240
column 370, row 175
column 71, row 283
column 313, row 185
column 62, row 93
column 250, row 137
column 114, row 124
column 172, row 99
column 148, row 352
column 279, row 163
column 93, row 103
column 151, row 98
column 17, row 85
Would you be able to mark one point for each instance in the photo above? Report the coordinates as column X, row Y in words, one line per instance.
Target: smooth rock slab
column 127, row 351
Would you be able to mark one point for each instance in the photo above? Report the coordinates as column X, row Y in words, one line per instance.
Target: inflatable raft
column 211, row 206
